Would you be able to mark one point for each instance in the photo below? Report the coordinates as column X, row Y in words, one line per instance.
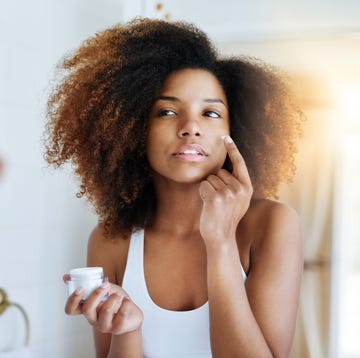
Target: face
column 186, row 123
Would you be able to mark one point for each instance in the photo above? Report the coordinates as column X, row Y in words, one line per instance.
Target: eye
column 166, row 112
column 212, row 114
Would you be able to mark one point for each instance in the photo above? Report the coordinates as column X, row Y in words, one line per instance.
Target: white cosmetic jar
column 89, row 278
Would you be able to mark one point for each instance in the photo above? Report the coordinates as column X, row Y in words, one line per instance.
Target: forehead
column 193, row 83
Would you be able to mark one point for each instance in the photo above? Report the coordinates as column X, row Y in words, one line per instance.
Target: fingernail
column 79, row 291
column 227, row 138
column 105, row 284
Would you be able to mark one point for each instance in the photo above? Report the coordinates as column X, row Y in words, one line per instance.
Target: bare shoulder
column 278, row 232
column 110, row 253
column 266, row 209
column 267, row 214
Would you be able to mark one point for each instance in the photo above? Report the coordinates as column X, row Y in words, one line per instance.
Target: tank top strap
column 133, row 274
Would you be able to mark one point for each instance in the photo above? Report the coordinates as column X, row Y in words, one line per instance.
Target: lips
column 191, row 149
column 191, row 152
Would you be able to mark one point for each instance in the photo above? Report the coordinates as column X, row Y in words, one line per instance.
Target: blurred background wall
column 44, row 227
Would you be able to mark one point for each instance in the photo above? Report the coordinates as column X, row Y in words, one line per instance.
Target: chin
column 186, row 174
column 195, row 176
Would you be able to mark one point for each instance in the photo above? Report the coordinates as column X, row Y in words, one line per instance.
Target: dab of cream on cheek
column 226, row 138
column 89, row 278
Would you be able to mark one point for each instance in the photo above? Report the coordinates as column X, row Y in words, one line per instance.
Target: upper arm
column 273, row 284
column 111, row 255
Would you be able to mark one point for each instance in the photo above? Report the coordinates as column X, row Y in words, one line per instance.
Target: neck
column 178, row 209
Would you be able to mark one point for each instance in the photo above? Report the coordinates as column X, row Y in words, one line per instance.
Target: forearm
column 233, row 328
column 127, row 345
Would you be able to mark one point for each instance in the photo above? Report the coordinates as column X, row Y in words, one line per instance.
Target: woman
column 179, row 151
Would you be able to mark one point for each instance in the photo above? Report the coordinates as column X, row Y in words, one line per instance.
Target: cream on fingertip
column 227, row 138
column 79, row 291
column 105, row 284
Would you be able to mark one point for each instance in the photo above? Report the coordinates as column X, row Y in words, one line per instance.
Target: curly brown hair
column 98, row 114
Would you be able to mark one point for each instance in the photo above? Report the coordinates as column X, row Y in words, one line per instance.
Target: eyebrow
column 175, row 99
column 168, row 98
column 214, row 100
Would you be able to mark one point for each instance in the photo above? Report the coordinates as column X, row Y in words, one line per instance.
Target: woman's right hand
column 116, row 315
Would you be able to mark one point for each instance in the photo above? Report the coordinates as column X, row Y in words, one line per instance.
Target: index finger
column 239, row 166
column 73, row 303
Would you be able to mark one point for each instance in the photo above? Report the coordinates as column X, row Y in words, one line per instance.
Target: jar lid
column 86, row 272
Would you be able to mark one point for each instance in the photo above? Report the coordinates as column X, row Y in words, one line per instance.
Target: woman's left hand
column 226, row 198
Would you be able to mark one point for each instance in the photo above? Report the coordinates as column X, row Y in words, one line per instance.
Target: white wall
column 241, row 20
column 43, row 226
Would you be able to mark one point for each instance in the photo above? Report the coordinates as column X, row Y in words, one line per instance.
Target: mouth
column 191, row 152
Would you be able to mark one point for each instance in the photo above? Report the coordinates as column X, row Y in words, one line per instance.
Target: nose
column 189, row 127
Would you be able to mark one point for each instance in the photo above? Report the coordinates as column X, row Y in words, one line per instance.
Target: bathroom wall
column 43, row 226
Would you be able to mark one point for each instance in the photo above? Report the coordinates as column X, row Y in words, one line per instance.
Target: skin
column 208, row 212
column 1, row 167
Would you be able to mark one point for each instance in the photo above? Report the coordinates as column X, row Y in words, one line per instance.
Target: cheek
column 152, row 139
column 223, row 158
column 218, row 128
column 151, row 153
column 155, row 146
column 220, row 149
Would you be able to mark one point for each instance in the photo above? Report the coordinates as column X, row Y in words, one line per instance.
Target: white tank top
column 166, row 333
